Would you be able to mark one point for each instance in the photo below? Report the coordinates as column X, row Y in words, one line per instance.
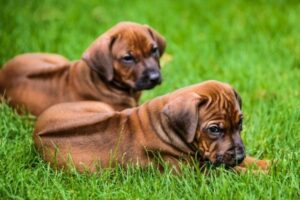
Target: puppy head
column 128, row 54
column 209, row 116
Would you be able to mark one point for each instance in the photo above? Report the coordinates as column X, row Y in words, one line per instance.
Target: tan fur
column 89, row 135
column 38, row 80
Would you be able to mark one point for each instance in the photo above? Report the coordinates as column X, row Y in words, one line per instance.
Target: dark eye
column 154, row 50
column 214, row 130
column 128, row 59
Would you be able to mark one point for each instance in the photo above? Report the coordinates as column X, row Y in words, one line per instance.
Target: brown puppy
column 114, row 69
column 204, row 119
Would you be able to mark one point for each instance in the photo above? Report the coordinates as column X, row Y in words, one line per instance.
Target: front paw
column 263, row 164
column 241, row 170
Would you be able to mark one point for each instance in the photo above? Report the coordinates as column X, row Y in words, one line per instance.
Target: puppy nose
column 239, row 155
column 154, row 76
column 219, row 158
column 239, row 158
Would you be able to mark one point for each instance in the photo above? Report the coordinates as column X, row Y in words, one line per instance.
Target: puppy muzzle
column 231, row 158
column 149, row 79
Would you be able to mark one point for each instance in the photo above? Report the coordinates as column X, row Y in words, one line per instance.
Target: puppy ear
column 238, row 98
column 160, row 40
column 98, row 56
column 182, row 115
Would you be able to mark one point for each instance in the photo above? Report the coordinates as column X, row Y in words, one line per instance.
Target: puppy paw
column 242, row 170
column 263, row 164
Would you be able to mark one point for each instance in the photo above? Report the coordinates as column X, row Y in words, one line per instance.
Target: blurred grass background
column 253, row 45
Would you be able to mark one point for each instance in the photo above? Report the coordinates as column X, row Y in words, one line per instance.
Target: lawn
column 253, row 45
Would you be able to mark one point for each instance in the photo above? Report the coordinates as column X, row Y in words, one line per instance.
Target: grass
column 254, row 45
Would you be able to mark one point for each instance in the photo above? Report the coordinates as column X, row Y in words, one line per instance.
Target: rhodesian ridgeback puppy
column 114, row 69
column 203, row 119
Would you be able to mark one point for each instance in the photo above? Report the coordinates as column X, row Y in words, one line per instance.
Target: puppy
column 204, row 119
column 114, row 69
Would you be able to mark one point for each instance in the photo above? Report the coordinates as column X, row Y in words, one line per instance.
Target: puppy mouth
column 146, row 86
column 147, row 83
column 228, row 160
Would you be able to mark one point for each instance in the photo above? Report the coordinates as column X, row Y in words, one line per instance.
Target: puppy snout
column 239, row 158
column 239, row 154
column 219, row 159
column 148, row 80
column 154, row 76
column 233, row 156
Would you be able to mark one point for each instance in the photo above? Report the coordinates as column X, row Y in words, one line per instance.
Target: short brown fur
column 38, row 80
column 174, row 125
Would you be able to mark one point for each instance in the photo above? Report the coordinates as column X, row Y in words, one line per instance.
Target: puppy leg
column 250, row 161
column 260, row 165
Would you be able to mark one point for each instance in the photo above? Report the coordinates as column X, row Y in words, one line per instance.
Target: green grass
column 254, row 45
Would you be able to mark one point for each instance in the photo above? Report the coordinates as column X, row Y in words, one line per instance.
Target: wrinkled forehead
column 222, row 106
column 134, row 39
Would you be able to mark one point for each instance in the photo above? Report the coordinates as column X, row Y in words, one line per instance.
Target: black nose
column 239, row 154
column 239, row 158
column 154, row 76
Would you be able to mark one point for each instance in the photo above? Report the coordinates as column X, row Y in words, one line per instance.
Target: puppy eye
column 214, row 130
column 154, row 50
column 128, row 59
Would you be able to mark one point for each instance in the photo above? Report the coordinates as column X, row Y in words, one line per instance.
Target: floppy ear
column 98, row 56
column 238, row 97
column 183, row 115
column 160, row 40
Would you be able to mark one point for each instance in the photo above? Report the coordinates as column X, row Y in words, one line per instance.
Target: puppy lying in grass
column 114, row 69
column 203, row 119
